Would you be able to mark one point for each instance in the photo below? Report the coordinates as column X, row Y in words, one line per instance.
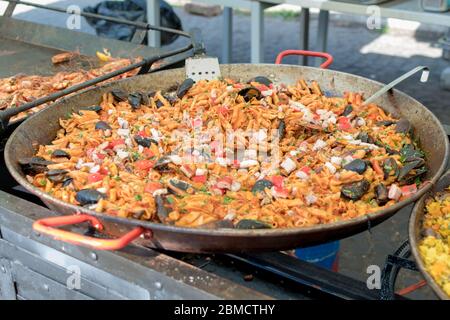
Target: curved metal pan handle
column 327, row 56
column 47, row 226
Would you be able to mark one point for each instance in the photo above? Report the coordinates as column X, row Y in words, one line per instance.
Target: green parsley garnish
column 138, row 197
column 227, row 200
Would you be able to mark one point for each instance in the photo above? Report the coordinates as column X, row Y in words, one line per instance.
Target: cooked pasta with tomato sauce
column 226, row 153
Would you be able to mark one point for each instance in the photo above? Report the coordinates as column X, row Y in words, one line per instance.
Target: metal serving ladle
column 389, row 86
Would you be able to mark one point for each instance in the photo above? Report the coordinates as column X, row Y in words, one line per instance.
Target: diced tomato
column 116, row 142
column 262, row 87
column 197, row 122
column 280, row 192
column 223, row 110
column 144, row 164
column 224, row 182
column 152, row 187
column 216, row 190
column 236, row 163
column 148, row 153
column 305, row 169
column 409, row 190
column 344, row 124
column 142, row 133
column 95, row 177
column 316, row 116
column 277, row 181
column 100, row 155
column 89, row 152
column 103, row 171
column 199, row 179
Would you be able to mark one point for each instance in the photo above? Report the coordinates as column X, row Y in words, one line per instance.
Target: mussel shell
column 390, row 168
column 58, row 153
column 102, row 125
column 177, row 185
column 56, row 172
column 159, row 104
column 91, row 108
column 403, row 126
column 365, row 137
column 405, row 171
column 408, row 153
column 184, row 87
column 134, row 99
column 356, row 165
column 261, row 185
column 89, row 196
column 34, row 165
column 57, row 175
column 161, row 210
column 281, row 129
column 381, row 193
column 119, row 95
column 144, row 99
column 162, row 164
column 347, row 110
column 67, row 181
column 385, row 123
column 262, row 80
column 171, row 97
column 143, row 141
column 218, row 224
column 249, row 93
column 355, row 190
column 252, row 224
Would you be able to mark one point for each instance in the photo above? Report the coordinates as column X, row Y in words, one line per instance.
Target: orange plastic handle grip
column 48, row 226
column 327, row 56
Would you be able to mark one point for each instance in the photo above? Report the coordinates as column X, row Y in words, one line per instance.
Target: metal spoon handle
column 386, row 88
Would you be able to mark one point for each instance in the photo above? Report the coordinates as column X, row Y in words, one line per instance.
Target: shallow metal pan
column 41, row 129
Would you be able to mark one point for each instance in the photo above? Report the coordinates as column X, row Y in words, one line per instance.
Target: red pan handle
column 327, row 56
column 48, row 226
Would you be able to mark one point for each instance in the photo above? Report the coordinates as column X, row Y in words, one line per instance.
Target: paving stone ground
column 381, row 55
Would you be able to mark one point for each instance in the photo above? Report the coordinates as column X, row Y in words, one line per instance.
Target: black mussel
column 119, row 95
column 390, row 168
column 218, row 224
column 385, row 123
column 34, row 165
column 159, row 104
column 413, row 175
column 171, row 97
column 356, row 165
column 144, row 99
column 67, row 181
column 162, row 211
column 184, row 87
column 180, row 187
column 143, row 141
column 151, row 94
column 252, row 224
column 162, row 164
column 381, row 193
column 91, row 108
column 281, row 129
column 408, row 167
column 102, row 125
column 403, row 126
column 134, row 99
column 355, row 190
column 409, row 153
column 58, row 153
column 347, row 110
column 89, row 196
column 261, row 185
column 261, row 79
column 249, row 93
column 365, row 137
column 57, row 175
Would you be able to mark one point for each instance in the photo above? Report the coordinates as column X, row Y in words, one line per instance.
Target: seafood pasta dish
column 224, row 153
